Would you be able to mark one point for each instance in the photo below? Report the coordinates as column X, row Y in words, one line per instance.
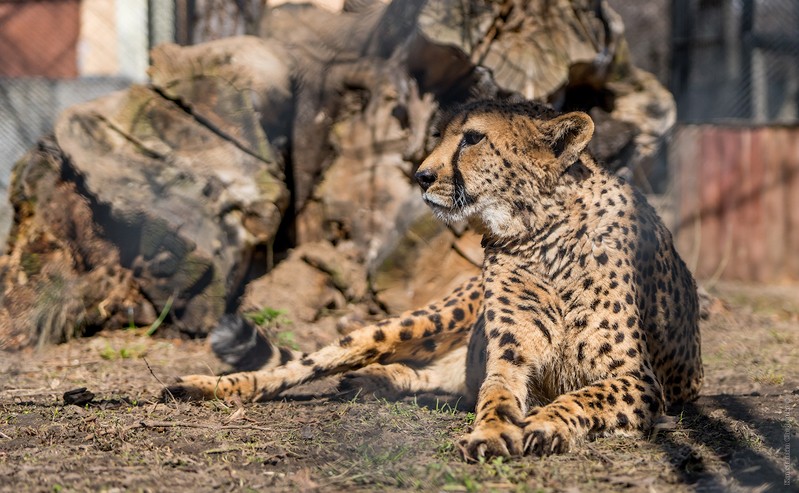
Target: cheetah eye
column 471, row 137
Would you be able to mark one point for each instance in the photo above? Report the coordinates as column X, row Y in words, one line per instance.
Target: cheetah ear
column 568, row 135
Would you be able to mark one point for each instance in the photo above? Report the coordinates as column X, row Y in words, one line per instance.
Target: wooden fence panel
column 736, row 191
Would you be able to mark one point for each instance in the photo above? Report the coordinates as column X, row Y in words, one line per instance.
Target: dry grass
column 733, row 439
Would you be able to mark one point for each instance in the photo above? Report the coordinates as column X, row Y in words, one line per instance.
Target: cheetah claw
column 543, row 441
column 496, row 441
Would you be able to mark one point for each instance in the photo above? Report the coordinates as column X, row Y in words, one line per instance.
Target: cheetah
column 583, row 322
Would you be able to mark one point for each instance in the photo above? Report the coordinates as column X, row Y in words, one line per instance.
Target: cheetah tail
column 237, row 342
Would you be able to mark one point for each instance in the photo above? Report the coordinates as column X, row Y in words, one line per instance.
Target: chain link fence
column 724, row 60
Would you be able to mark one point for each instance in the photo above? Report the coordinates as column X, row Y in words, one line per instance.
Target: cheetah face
column 495, row 161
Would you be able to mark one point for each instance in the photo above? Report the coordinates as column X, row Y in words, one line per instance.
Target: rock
column 644, row 104
column 60, row 278
column 310, row 287
column 529, row 46
column 239, row 87
column 184, row 205
column 617, row 144
column 364, row 190
column 346, row 274
column 419, row 262
column 78, row 397
column 322, row 47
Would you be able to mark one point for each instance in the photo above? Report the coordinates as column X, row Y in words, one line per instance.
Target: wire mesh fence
column 724, row 60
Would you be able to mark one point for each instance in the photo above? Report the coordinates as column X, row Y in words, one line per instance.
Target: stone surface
column 239, row 87
column 60, row 277
column 29, row 107
column 184, row 205
column 313, row 287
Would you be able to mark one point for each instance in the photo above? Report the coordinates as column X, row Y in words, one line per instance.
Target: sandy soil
column 741, row 435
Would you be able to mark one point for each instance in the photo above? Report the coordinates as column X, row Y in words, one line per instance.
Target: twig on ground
column 3, row 435
column 159, row 380
column 188, row 424
column 29, row 392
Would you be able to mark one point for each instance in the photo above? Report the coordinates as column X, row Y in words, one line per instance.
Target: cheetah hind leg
column 421, row 336
column 442, row 381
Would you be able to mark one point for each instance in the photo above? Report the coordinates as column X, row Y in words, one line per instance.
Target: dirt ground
column 741, row 435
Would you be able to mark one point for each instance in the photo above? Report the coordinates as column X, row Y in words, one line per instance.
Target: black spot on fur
column 543, row 330
column 510, row 355
column 616, row 363
column 429, row 345
column 508, row 338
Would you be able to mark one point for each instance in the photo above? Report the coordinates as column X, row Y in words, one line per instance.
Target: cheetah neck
column 548, row 219
column 531, row 215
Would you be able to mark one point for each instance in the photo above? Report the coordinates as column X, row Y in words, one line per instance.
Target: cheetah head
column 497, row 162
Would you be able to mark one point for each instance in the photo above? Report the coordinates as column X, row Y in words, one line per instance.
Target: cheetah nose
column 426, row 178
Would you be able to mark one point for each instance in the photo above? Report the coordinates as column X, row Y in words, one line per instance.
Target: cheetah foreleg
column 614, row 404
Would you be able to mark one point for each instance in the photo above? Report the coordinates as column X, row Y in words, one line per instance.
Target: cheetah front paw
column 546, row 437
column 495, row 439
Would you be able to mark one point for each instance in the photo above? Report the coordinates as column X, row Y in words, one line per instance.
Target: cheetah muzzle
column 583, row 321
